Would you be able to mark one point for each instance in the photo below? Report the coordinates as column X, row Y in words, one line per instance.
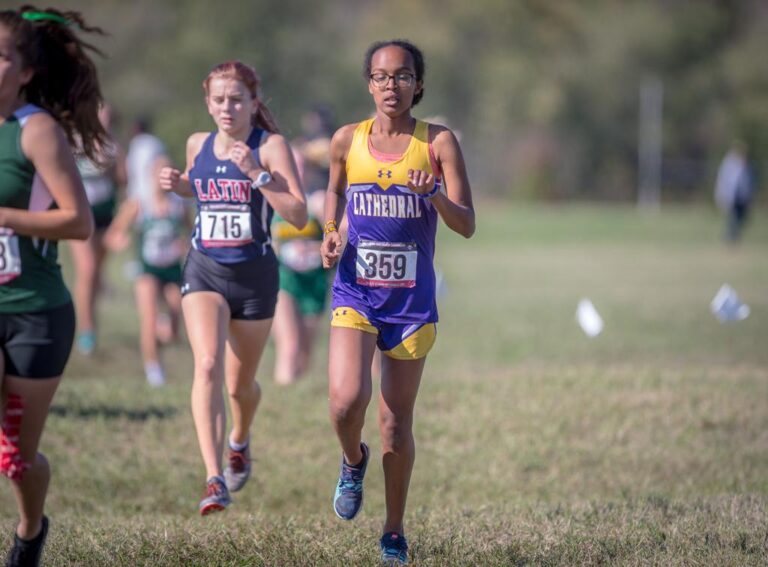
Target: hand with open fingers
column 169, row 178
column 420, row 182
column 331, row 249
column 242, row 156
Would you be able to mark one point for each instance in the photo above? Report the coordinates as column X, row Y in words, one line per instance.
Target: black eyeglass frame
column 403, row 80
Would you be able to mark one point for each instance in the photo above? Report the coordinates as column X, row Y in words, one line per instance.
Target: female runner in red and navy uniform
column 238, row 175
column 392, row 176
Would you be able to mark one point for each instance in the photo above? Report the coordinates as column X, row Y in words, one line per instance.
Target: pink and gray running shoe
column 238, row 469
column 216, row 496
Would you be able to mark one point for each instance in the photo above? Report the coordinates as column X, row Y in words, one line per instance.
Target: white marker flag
column 727, row 306
column 588, row 318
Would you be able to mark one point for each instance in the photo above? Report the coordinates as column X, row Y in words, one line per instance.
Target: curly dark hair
column 416, row 55
column 65, row 81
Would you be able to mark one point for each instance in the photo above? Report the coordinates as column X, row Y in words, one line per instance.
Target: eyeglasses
column 381, row 80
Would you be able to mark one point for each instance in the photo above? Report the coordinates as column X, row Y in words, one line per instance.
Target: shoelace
column 350, row 479
column 395, row 548
column 213, row 489
column 237, row 460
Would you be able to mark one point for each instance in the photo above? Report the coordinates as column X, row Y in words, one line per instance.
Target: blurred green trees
column 544, row 92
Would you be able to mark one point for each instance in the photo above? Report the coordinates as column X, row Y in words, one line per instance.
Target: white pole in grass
column 649, row 143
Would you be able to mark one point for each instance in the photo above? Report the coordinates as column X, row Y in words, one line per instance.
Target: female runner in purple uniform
column 238, row 175
column 393, row 175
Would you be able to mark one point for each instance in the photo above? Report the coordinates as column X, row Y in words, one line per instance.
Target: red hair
column 247, row 75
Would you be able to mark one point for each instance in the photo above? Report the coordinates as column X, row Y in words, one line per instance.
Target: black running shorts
column 37, row 345
column 250, row 287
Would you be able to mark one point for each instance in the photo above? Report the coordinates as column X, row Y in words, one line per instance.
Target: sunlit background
column 549, row 95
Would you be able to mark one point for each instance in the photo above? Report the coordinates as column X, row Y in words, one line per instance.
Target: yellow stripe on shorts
column 352, row 319
column 416, row 345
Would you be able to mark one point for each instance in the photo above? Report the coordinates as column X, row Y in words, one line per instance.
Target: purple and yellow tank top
column 386, row 270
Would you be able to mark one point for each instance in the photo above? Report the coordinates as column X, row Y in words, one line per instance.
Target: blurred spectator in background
column 734, row 189
column 101, row 178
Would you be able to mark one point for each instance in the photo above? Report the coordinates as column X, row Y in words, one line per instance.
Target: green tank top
column 30, row 276
column 159, row 244
column 99, row 186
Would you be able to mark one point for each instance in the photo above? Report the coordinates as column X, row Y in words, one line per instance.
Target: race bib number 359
column 10, row 259
column 386, row 264
column 225, row 225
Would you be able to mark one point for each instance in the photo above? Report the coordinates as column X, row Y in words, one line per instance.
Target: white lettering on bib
column 224, row 225
column 10, row 259
column 386, row 264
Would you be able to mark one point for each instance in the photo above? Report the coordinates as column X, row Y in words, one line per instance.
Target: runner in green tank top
column 29, row 271
column 42, row 200
column 162, row 228
column 101, row 180
column 303, row 292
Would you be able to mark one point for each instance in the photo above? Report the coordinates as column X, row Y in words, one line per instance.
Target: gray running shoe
column 216, row 496
column 238, row 469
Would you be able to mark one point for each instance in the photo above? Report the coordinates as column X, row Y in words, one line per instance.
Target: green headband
column 38, row 16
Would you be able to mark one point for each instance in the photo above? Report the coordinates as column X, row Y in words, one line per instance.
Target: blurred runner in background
column 102, row 178
column 162, row 227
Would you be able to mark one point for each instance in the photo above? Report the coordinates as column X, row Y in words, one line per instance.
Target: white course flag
column 588, row 318
column 727, row 306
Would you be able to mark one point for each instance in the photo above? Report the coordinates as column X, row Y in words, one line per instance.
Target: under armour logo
column 184, row 288
column 221, row 169
column 385, row 173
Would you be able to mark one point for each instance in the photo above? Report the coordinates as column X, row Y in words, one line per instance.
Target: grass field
column 536, row 445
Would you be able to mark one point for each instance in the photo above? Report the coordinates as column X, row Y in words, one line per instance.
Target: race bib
column 301, row 255
column 160, row 246
column 386, row 264
column 10, row 259
column 223, row 225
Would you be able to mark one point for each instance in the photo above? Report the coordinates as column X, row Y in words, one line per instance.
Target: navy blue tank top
column 232, row 222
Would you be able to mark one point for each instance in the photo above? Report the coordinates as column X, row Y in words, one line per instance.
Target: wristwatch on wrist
column 261, row 180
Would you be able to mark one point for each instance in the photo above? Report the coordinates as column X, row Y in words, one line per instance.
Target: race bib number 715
column 386, row 264
column 225, row 225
